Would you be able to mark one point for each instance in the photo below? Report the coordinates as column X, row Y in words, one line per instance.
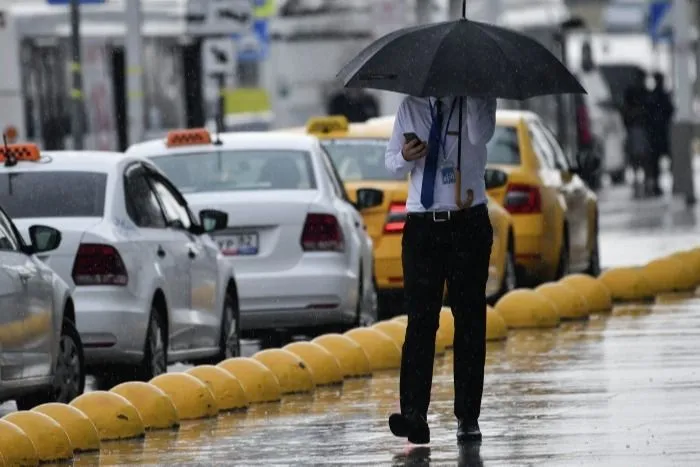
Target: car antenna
column 10, row 159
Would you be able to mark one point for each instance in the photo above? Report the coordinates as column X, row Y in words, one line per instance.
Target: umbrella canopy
column 460, row 58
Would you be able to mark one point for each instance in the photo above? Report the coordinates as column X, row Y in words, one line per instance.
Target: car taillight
column 523, row 199
column 322, row 232
column 396, row 218
column 99, row 265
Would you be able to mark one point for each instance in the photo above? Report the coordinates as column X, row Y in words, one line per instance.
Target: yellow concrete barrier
column 691, row 263
column 155, row 407
column 627, row 284
column 523, row 308
column 113, row 415
column 381, row 351
column 51, row 441
column 350, row 355
column 294, row 375
column 667, row 275
column 496, row 327
column 16, row 447
column 447, row 325
column 323, row 365
column 259, row 382
column 3, row 463
column 191, row 397
column 395, row 330
column 593, row 290
column 401, row 318
column 227, row 390
column 442, row 342
column 570, row 304
column 80, row 429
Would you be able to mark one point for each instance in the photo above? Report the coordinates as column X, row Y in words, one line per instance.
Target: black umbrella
column 460, row 58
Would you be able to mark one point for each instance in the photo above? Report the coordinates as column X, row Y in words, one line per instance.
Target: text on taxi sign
column 20, row 152
column 188, row 137
column 327, row 124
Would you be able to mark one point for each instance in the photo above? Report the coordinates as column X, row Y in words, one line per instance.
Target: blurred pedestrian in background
column 661, row 110
column 635, row 114
column 357, row 105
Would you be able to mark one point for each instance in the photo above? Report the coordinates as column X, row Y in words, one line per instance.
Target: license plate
column 243, row 244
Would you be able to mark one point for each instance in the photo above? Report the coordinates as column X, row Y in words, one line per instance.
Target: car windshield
column 359, row 159
column 503, row 148
column 234, row 170
column 53, row 194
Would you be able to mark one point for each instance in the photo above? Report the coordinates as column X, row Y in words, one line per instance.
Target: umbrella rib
column 488, row 33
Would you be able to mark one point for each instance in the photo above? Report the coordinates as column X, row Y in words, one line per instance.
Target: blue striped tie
column 427, row 193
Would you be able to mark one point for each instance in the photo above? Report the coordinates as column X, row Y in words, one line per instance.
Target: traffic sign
column 659, row 20
column 219, row 56
column 256, row 45
column 219, row 17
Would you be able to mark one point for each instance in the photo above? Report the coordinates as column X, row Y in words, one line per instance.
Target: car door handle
column 160, row 252
column 192, row 254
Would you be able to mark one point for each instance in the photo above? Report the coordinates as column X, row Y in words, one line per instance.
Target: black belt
column 445, row 216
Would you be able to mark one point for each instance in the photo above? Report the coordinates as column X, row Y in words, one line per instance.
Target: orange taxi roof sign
column 188, row 137
column 21, row 152
column 330, row 124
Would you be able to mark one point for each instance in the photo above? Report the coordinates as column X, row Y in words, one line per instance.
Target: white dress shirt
column 478, row 125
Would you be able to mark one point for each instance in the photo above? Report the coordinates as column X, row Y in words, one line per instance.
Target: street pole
column 75, row 67
column 134, row 71
column 683, row 127
column 221, row 103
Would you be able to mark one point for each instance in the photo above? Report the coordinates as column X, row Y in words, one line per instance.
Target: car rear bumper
column 318, row 291
column 388, row 269
column 112, row 324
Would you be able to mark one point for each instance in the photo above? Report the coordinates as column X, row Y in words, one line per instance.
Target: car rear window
column 53, row 194
column 234, row 170
column 503, row 148
column 359, row 159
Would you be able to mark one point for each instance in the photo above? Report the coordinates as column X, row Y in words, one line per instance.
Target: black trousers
column 457, row 251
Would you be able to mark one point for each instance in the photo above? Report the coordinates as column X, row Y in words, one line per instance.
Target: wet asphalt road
column 618, row 390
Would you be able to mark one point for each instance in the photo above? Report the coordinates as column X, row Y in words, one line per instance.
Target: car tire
column 564, row 259
column 230, row 337
column 510, row 270
column 69, row 373
column 155, row 350
column 594, row 257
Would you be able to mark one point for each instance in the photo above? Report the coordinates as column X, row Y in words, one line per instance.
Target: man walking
column 443, row 242
column 661, row 111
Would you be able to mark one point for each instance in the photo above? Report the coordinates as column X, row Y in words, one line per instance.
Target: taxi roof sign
column 330, row 124
column 188, row 137
column 20, row 152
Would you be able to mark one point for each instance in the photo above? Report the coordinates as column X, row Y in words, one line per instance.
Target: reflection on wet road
column 617, row 390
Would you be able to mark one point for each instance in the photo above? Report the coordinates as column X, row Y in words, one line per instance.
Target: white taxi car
column 41, row 355
column 302, row 255
column 150, row 286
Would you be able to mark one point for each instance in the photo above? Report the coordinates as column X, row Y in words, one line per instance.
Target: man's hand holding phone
column 413, row 148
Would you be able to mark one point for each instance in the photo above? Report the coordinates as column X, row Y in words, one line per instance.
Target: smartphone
column 410, row 136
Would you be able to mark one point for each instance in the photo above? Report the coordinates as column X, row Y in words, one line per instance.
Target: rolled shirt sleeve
column 481, row 119
column 393, row 159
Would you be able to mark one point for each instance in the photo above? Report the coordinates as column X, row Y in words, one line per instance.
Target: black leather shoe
column 468, row 431
column 413, row 427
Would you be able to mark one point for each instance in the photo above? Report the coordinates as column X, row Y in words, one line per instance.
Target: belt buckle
column 437, row 219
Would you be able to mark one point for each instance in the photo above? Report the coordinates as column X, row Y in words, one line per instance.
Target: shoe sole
column 469, row 438
column 402, row 428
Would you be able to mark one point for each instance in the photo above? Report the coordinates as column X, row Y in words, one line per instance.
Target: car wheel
column 563, row 266
column 230, row 337
column 155, row 355
column 594, row 258
column 510, row 272
column 69, row 372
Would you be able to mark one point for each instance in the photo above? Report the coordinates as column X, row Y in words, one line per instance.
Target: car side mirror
column 369, row 198
column 213, row 220
column 495, row 178
column 44, row 238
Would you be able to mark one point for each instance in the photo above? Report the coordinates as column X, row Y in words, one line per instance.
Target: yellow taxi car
column 555, row 215
column 357, row 151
